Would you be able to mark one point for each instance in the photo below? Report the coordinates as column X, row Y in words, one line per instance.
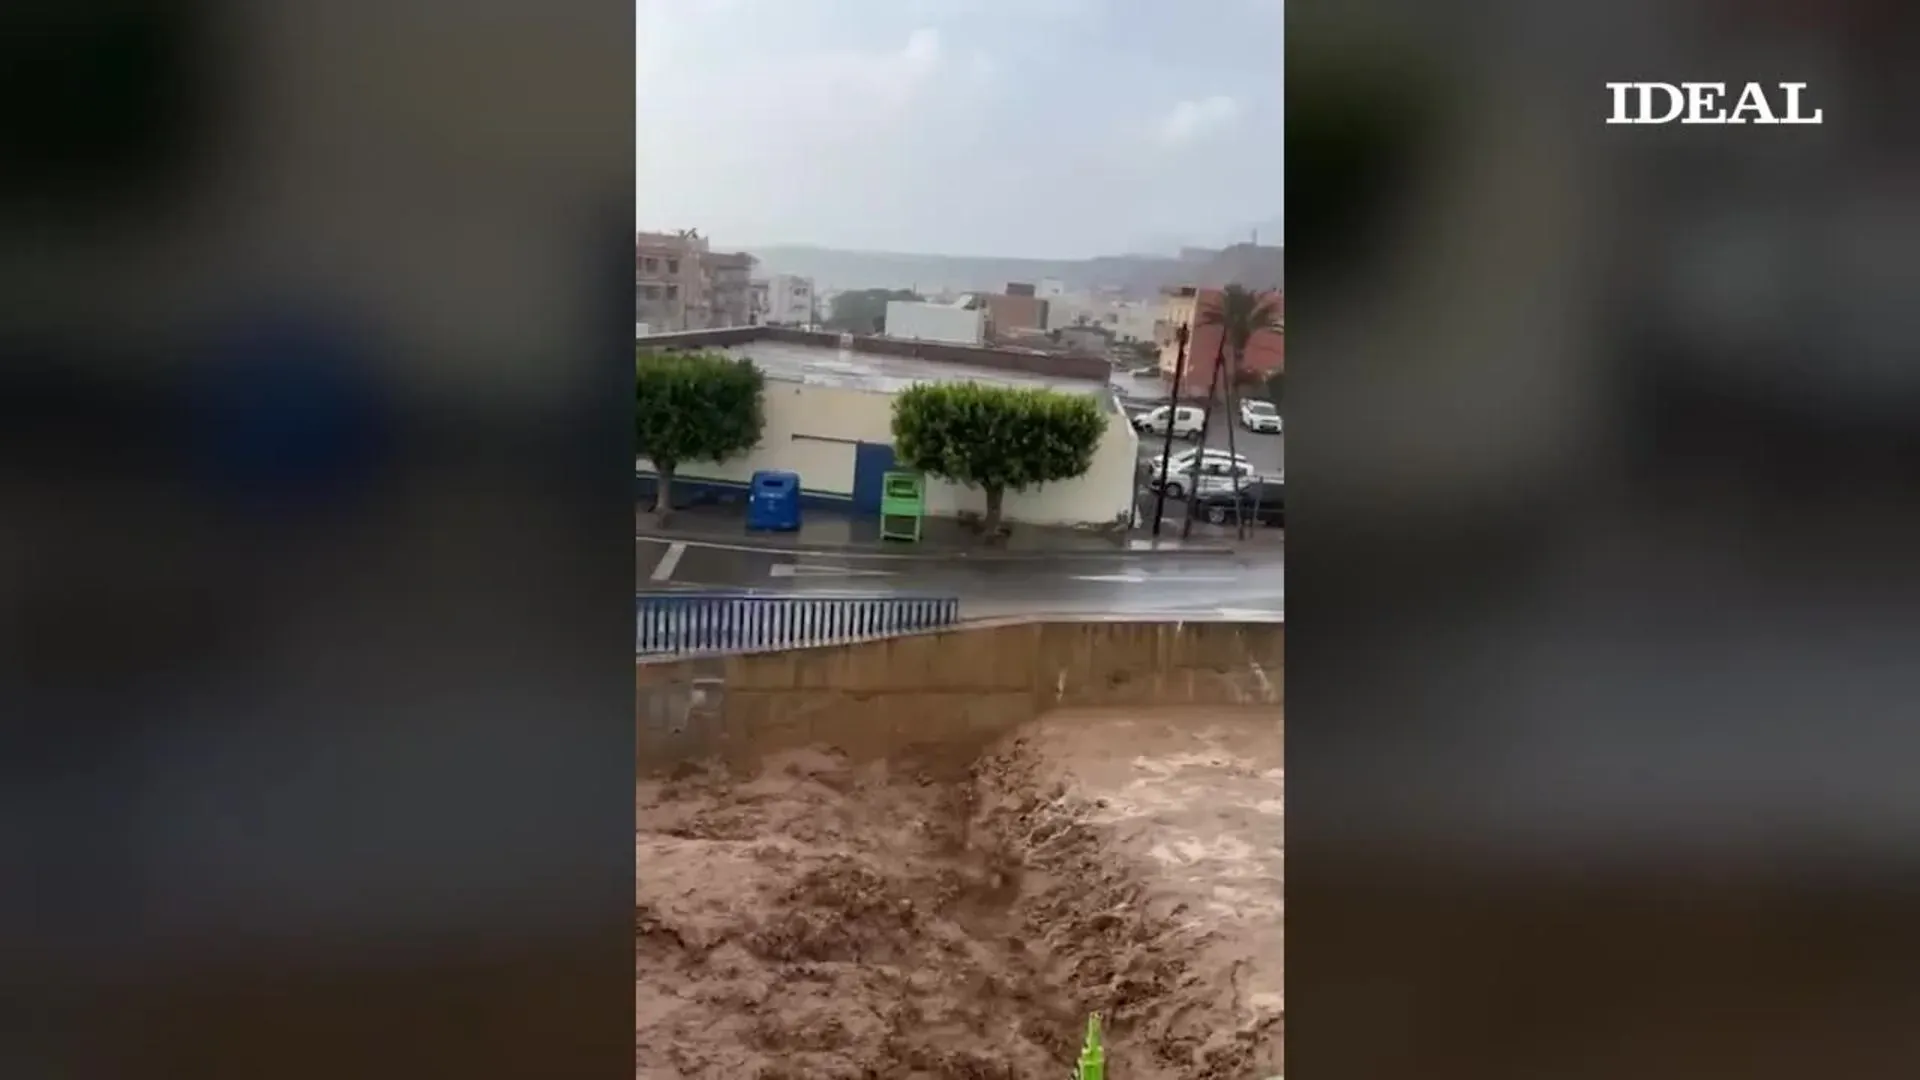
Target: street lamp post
column 1173, row 406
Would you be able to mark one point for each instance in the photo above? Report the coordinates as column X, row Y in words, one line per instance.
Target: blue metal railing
column 692, row 622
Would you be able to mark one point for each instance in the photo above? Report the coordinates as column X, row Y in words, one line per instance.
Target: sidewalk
column 825, row 530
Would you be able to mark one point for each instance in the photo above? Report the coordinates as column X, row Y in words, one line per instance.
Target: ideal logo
column 1708, row 103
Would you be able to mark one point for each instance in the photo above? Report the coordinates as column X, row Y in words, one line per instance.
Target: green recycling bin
column 903, row 502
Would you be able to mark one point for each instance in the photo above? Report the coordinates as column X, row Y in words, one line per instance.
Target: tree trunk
column 1233, row 422
column 663, row 491
column 1206, row 425
column 991, row 523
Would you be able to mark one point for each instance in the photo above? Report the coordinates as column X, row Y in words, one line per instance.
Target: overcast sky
column 1041, row 128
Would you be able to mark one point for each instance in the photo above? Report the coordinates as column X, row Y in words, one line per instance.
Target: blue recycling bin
column 773, row 501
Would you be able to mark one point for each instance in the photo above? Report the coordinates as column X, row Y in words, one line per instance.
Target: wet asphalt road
column 1250, row 583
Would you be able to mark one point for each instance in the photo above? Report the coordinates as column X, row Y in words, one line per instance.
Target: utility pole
column 1173, row 406
column 1206, row 426
column 1233, row 421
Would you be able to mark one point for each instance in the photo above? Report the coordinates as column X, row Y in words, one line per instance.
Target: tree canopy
column 1243, row 313
column 996, row 438
column 694, row 407
column 864, row 311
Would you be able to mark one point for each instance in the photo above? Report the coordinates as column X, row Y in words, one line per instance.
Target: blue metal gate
column 675, row 623
column 870, row 464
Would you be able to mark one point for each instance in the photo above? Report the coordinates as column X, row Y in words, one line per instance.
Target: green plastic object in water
column 1093, row 1057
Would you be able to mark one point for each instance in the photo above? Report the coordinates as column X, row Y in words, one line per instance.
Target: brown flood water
column 823, row 920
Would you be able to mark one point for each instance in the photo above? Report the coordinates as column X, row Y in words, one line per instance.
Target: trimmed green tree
column 693, row 407
column 996, row 438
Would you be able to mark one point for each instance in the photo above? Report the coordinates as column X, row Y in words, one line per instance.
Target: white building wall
column 812, row 430
column 1137, row 321
column 915, row 320
column 1100, row 496
column 1062, row 311
column 790, row 300
column 1134, row 320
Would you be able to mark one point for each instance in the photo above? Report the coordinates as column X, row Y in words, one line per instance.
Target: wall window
column 673, row 266
column 673, row 292
column 649, row 265
column 651, row 292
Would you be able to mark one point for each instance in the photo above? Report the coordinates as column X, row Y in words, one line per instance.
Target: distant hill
column 1139, row 275
column 1259, row 267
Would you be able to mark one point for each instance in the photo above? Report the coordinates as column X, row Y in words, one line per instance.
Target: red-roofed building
column 1188, row 304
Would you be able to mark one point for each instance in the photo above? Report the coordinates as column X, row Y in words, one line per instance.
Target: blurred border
column 1599, row 544
column 315, row 558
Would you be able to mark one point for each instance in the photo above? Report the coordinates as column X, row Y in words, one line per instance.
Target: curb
column 982, row 554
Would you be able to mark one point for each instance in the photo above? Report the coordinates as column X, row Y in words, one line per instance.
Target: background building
column 1187, row 304
column 1126, row 320
column 961, row 323
column 1010, row 312
column 1091, row 340
column 729, row 281
column 680, row 283
column 667, row 280
column 789, row 301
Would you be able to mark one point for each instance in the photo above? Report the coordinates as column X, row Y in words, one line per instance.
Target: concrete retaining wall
column 940, row 697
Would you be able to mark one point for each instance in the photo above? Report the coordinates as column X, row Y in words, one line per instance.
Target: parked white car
column 1213, row 477
column 1183, row 460
column 1188, row 420
column 1259, row 416
column 1204, row 469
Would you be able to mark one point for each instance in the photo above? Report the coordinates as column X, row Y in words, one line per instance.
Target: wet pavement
column 1249, row 583
column 834, row 529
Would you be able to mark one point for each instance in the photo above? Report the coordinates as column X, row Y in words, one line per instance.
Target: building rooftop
column 852, row 370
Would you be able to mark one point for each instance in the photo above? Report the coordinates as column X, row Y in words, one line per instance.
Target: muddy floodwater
column 818, row 919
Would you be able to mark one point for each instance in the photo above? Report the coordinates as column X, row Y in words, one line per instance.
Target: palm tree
column 1242, row 314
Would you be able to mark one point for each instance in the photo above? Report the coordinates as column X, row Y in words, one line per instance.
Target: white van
column 1256, row 415
column 1187, row 421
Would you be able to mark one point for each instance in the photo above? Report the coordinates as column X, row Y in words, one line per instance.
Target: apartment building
column 1016, row 310
column 787, row 300
column 681, row 283
column 667, row 279
column 729, row 283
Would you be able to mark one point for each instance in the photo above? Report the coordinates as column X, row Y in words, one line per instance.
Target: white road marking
column 893, row 556
column 1160, row 579
column 663, row 570
column 1115, row 555
column 804, row 570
